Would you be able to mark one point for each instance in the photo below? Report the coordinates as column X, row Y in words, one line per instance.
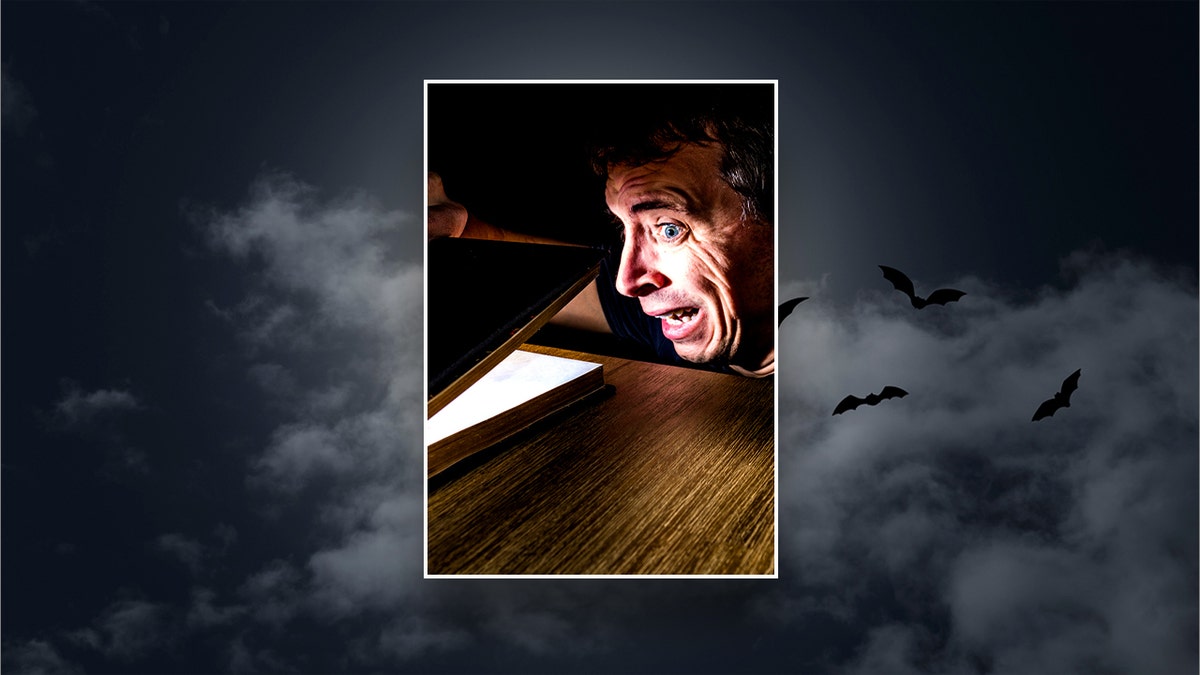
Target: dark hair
column 739, row 118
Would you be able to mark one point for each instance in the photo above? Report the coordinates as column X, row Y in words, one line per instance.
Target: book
column 484, row 298
column 524, row 388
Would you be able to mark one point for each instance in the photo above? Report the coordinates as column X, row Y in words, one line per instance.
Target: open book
column 522, row 389
column 487, row 297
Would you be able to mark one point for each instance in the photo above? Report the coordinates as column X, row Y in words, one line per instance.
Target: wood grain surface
column 672, row 474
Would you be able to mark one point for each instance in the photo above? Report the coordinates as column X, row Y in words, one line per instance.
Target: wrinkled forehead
column 683, row 181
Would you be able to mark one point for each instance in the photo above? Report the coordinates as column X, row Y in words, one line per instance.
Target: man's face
column 692, row 260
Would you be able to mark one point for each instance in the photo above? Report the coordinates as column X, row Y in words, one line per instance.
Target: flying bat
column 852, row 402
column 786, row 308
column 1061, row 400
column 905, row 285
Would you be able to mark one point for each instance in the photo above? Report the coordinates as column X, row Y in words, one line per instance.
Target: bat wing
column 1070, row 384
column 892, row 392
column 899, row 279
column 786, row 308
column 943, row 295
column 848, row 403
column 1046, row 409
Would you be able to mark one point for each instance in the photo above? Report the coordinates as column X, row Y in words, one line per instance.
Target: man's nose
column 638, row 274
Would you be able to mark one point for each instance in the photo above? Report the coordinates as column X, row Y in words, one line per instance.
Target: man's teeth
column 680, row 316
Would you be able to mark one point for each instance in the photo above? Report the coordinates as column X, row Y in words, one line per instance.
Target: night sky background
column 212, row 318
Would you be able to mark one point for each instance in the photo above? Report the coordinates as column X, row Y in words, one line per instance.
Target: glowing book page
column 522, row 389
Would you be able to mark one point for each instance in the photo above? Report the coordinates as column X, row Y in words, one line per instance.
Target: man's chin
column 700, row 353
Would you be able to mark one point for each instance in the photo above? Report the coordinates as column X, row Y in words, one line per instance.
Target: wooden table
column 673, row 473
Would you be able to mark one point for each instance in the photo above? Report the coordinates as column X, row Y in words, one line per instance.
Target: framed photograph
column 600, row 328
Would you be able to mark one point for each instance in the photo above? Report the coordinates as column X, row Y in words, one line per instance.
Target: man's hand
column 446, row 218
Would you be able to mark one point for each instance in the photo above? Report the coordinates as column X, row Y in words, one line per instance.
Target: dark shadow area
column 517, row 155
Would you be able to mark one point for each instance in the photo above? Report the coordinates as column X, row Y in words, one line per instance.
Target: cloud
column 338, row 311
column 342, row 254
column 35, row 657
column 129, row 630
column 16, row 105
column 376, row 565
column 274, row 592
column 335, row 323
column 77, row 407
column 100, row 416
column 189, row 551
column 226, row 535
column 205, row 613
column 244, row 659
column 408, row 637
column 941, row 531
column 1062, row 545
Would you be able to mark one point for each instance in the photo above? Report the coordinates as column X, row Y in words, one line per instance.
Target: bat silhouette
column 852, row 402
column 905, row 285
column 786, row 308
column 1061, row 400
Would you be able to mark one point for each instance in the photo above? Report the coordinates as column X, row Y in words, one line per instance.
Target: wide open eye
column 670, row 231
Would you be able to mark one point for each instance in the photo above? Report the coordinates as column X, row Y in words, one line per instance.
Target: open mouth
column 680, row 316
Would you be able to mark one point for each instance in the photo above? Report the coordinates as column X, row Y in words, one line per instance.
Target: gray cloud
column 1062, row 545
column 77, row 407
column 35, row 657
column 376, row 566
column 408, row 637
column 342, row 254
column 942, row 531
column 274, row 592
column 188, row 551
column 128, row 630
column 101, row 416
column 352, row 411
column 341, row 311
column 16, row 105
column 206, row 613
column 226, row 535
column 352, row 427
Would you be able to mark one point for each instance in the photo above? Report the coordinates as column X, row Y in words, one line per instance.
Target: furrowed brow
column 660, row 203
column 655, row 205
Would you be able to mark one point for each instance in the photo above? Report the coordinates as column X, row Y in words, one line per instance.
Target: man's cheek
column 707, row 269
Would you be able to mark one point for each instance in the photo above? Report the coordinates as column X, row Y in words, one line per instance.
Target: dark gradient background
column 212, row 307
